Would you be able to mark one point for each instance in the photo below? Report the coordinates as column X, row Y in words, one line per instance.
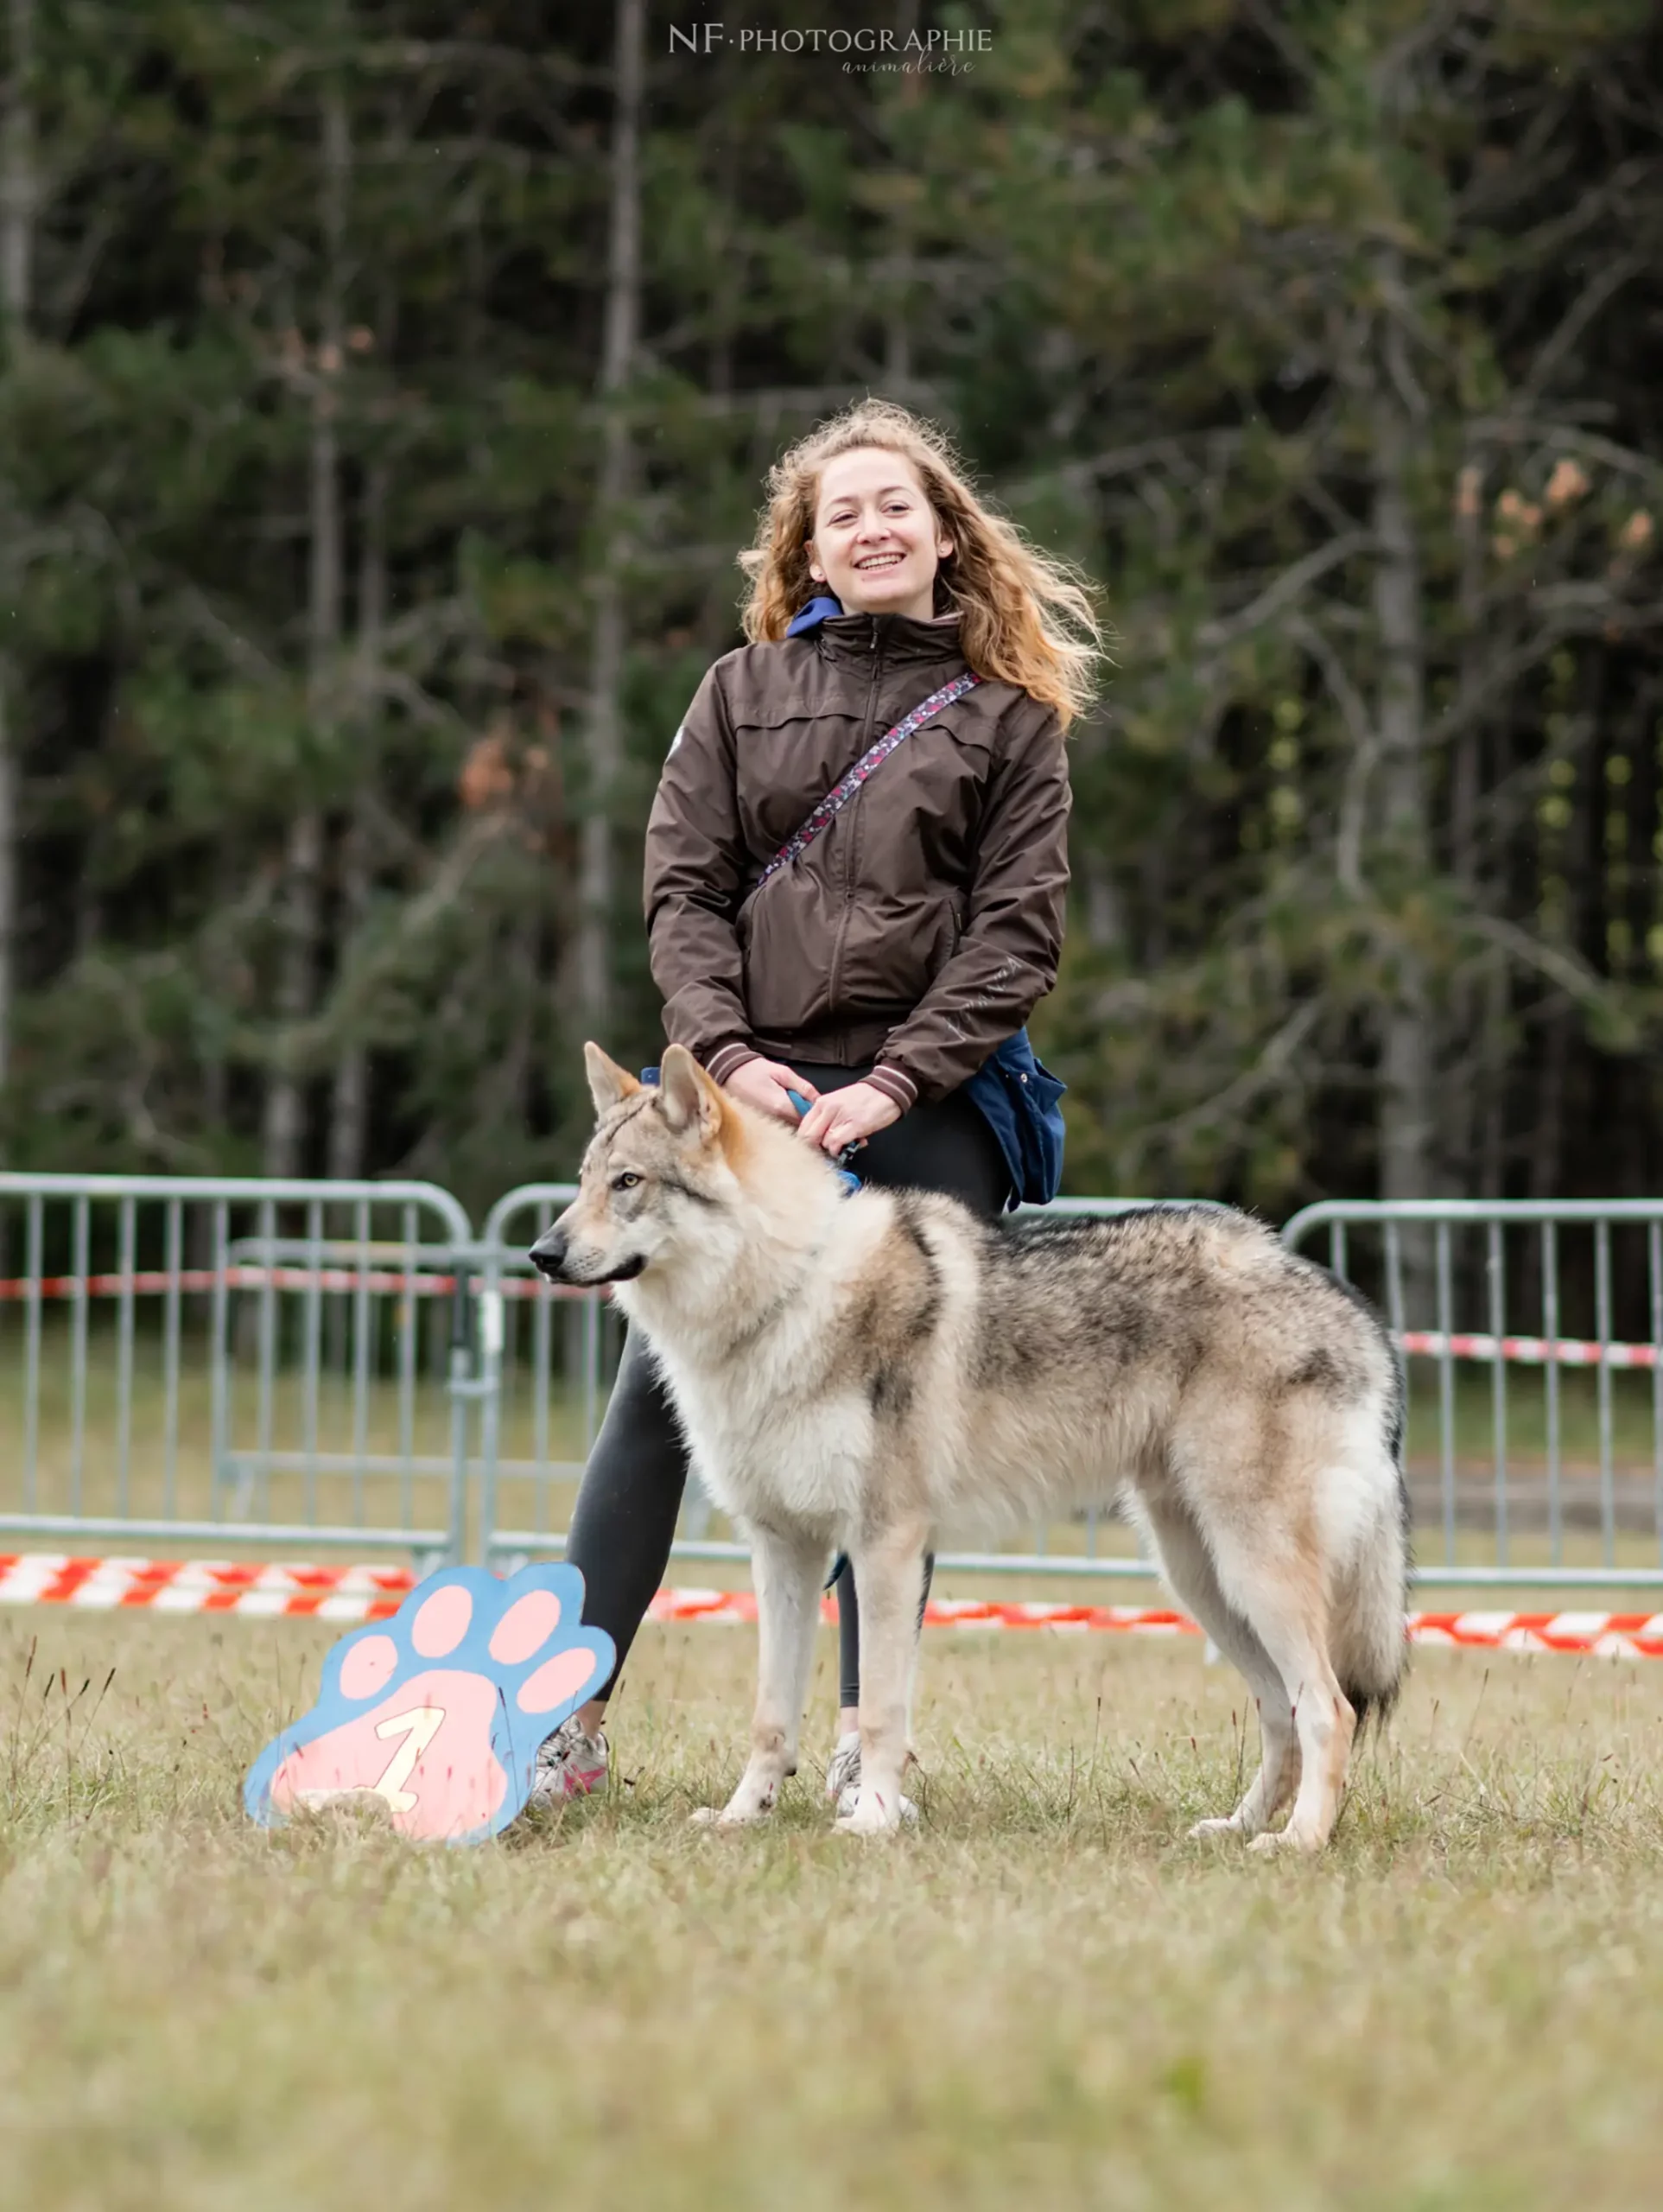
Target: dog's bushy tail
column 1371, row 1649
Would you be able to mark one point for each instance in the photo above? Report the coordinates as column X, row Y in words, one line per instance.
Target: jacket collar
column 843, row 636
column 819, row 609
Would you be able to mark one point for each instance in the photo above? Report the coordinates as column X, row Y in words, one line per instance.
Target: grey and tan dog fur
column 880, row 1372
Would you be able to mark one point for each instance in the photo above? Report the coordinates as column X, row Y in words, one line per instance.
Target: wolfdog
column 868, row 1373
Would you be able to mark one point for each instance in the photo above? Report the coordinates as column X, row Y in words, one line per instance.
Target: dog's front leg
column 788, row 1569
column 889, row 1578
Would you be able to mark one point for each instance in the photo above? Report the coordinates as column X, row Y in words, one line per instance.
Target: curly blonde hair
column 1024, row 617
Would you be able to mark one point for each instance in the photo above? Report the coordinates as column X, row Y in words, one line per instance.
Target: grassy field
column 1046, row 1995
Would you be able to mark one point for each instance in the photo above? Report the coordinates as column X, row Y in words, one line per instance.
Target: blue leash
column 850, row 1181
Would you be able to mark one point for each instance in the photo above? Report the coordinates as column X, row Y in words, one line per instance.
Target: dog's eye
column 625, row 1182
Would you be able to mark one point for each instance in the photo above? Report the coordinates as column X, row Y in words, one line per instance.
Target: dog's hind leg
column 1187, row 1569
column 1278, row 1588
column 889, row 1574
column 788, row 1569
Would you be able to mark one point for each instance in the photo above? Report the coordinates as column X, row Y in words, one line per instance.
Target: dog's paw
column 1294, row 1842
column 744, row 1810
column 436, row 1715
column 716, row 1819
column 872, row 1817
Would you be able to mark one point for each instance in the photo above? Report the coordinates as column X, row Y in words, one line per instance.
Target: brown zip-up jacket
column 920, row 929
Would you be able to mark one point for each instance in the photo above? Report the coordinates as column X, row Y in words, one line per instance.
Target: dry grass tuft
column 1046, row 1992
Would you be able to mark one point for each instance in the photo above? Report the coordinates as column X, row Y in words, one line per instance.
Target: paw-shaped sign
column 439, row 1712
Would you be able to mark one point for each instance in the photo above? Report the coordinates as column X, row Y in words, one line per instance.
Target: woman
column 877, row 971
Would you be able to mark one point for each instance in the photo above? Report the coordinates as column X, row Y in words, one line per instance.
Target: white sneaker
column 572, row 1763
column 843, row 1779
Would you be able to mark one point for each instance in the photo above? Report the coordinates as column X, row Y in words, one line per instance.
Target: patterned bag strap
column 839, row 797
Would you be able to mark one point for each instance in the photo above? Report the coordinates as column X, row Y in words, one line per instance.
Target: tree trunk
column 285, row 1107
column 1548, row 1085
column 18, row 183
column 349, row 1114
column 7, row 866
column 349, row 1098
column 898, row 319
column 604, row 721
column 1408, row 1070
column 1493, row 1076
column 1407, row 1060
column 1471, row 1117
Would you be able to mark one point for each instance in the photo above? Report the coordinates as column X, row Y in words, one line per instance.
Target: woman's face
column 876, row 545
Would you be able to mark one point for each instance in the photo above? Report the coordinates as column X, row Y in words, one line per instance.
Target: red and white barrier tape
column 171, row 1586
column 364, row 1593
column 1605, row 1636
column 1633, row 1636
column 1528, row 1351
column 155, row 1283
column 942, row 1612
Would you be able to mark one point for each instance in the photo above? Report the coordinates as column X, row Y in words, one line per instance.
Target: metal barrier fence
column 1533, row 1459
column 183, row 1366
column 195, row 1362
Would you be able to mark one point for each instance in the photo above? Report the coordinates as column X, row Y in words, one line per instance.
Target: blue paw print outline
column 456, row 1627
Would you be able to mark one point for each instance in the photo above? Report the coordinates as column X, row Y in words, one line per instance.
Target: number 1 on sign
column 418, row 1727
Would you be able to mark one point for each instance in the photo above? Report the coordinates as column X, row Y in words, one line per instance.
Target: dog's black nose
column 548, row 1254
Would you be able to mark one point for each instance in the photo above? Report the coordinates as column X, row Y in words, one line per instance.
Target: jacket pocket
column 785, row 937
column 895, row 947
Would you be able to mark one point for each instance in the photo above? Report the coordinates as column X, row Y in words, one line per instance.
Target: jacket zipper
column 852, row 818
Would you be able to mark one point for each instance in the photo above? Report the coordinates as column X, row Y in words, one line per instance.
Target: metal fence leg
column 490, row 1393
column 461, row 1392
column 456, row 1540
column 219, row 1366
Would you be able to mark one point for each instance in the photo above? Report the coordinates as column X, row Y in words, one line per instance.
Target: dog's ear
column 608, row 1083
column 689, row 1098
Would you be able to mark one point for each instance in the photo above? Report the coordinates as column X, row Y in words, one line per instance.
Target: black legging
column 624, row 1521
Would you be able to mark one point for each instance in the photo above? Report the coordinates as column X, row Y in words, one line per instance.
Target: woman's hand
column 846, row 1117
column 763, row 1084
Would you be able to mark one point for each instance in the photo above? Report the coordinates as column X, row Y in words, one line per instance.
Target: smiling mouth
column 880, row 561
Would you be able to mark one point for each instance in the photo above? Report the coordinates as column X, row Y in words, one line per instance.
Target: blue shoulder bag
column 1019, row 1097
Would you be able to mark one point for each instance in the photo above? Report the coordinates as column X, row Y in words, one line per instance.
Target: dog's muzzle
column 551, row 1257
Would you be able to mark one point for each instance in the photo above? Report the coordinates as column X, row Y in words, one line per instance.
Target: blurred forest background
column 387, row 388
